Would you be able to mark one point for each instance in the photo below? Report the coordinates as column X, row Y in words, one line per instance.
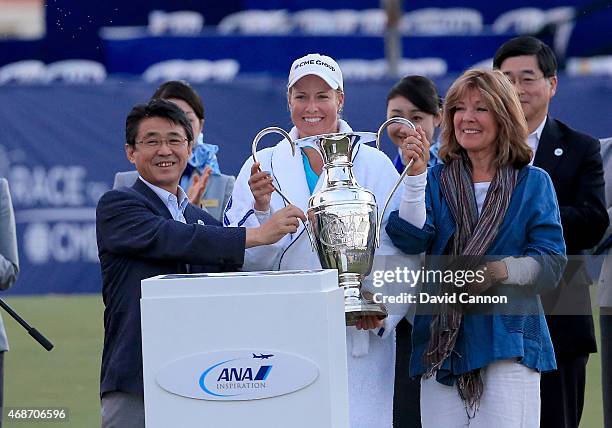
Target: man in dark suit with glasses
column 151, row 229
column 573, row 161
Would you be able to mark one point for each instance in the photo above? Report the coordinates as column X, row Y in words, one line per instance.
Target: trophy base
column 357, row 306
column 355, row 311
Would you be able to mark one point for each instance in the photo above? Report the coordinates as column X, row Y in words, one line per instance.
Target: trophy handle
column 266, row 131
column 281, row 131
column 259, row 136
column 378, row 135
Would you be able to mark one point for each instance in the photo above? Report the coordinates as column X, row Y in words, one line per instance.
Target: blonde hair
column 502, row 100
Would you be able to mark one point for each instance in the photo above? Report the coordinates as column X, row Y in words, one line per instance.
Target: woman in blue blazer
column 491, row 213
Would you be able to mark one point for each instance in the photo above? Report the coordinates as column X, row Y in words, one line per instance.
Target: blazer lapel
column 157, row 203
column 192, row 215
column 551, row 148
column 162, row 210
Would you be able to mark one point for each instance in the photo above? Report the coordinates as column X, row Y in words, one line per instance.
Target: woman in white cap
column 315, row 96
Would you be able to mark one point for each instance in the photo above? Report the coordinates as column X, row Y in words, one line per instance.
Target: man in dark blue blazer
column 151, row 229
column 573, row 161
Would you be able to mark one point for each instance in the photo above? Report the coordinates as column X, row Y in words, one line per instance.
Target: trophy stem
column 355, row 306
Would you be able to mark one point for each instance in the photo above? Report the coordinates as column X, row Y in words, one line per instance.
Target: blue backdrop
column 271, row 54
column 72, row 31
column 60, row 147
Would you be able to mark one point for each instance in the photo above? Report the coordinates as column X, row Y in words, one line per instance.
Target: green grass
column 592, row 415
column 68, row 376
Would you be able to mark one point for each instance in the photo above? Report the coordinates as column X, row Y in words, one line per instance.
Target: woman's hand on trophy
column 282, row 222
column 261, row 187
column 415, row 146
column 368, row 323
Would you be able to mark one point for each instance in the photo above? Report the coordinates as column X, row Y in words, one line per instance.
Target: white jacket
column 371, row 357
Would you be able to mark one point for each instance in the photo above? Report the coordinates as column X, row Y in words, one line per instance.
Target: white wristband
column 263, row 216
column 521, row 270
column 412, row 205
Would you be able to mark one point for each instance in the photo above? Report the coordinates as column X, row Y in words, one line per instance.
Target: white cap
column 319, row 65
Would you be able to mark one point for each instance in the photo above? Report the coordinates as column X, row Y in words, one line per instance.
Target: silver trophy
column 343, row 218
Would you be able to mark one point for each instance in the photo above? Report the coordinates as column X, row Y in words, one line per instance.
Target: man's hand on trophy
column 369, row 323
column 282, row 222
column 416, row 147
column 261, row 187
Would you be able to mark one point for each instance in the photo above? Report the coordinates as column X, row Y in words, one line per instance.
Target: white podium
column 256, row 349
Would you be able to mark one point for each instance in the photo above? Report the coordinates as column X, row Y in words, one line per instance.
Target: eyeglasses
column 155, row 143
column 525, row 81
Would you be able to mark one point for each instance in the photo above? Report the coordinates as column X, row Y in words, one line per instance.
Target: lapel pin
column 558, row 152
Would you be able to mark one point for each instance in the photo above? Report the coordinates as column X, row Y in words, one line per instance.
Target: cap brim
column 332, row 83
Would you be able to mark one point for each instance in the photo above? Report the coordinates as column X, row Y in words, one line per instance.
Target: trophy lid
column 336, row 149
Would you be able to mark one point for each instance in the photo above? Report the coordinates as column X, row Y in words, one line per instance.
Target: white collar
column 166, row 196
column 538, row 131
column 285, row 167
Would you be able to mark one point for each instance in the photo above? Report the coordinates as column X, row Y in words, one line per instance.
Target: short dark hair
column 183, row 91
column 420, row 91
column 155, row 108
column 528, row 45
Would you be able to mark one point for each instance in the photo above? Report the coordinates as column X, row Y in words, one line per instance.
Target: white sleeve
column 382, row 176
column 521, row 270
column 400, row 310
column 412, row 207
column 240, row 211
column 9, row 257
column 263, row 216
column 8, row 273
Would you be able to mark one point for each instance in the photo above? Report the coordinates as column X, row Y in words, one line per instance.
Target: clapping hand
column 198, row 186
